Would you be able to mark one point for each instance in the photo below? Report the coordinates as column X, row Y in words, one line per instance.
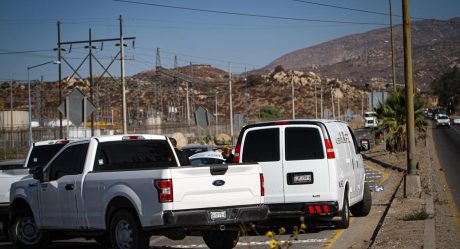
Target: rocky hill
column 366, row 58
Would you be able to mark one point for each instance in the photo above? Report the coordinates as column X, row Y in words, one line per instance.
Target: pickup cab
column 122, row 189
column 39, row 154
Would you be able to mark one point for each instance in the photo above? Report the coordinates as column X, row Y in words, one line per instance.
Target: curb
column 429, row 234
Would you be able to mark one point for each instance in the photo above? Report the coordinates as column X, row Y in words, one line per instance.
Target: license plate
column 302, row 178
column 218, row 215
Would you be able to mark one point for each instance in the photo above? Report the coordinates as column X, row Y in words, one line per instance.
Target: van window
column 262, row 146
column 303, row 144
column 135, row 154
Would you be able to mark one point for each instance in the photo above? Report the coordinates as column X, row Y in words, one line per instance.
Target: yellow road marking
column 384, row 174
column 450, row 199
column 335, row 236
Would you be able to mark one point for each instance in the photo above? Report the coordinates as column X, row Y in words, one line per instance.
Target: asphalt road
column 447, row 142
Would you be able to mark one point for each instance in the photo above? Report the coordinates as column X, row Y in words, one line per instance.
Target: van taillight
column 236, row 157
column 329, row 149
column 262, row 185
column 165, row 190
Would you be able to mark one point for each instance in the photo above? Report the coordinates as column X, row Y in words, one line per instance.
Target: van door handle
column 69, row 187
column 33, row 184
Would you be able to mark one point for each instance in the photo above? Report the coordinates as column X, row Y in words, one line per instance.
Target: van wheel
column 363, row 207
column 221, row 239
column 344, row 214
column 24, row 233
column 126, row 232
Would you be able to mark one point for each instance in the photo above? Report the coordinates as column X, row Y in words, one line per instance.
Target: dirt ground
column 399, row 229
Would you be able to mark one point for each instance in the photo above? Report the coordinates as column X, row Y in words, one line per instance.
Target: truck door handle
column 69, row 187
column 33, row 184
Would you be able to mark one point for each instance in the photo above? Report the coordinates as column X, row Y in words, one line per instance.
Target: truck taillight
column 165, row 190
column 262, row 186
column 329, row 149
column 236, row 157
column 133, row 138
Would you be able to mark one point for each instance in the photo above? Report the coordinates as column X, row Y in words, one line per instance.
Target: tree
column 447, row 88
column 269, row 112
column 393, row 114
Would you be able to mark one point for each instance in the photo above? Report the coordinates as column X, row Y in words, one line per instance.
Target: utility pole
column 293, row 97
column 91, row 91
column 216, row 115
column 332, row 103
column 11, row 112
column 338, row 107
column 246, row 95
column 321, row 100
column 60, row 77
column 122, row 71
column 316, row 103
column 188, row 99
column 393, row 66
column 230, row 96
column 412, row 180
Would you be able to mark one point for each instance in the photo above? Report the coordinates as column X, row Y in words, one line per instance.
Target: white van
column 312, row 168
column 370, row 120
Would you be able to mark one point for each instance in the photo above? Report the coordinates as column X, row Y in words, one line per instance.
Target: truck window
column 135, row 154
column 41, row 155
column 261, row 146
column 69, row 162
column 303, row 144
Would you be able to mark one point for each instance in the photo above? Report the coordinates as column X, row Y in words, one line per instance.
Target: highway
column 447, row 144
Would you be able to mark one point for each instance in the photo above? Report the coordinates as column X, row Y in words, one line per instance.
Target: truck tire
column 24, row 233
column 345, row 213
column 221, row 239
column 126, row 231
column 363, row 208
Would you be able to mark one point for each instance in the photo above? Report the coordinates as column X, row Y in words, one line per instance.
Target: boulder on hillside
column 222, row 139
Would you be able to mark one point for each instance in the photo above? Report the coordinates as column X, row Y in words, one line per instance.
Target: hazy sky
column 196, row 36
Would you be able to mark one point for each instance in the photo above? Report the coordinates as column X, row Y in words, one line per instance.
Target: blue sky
column 194, row 36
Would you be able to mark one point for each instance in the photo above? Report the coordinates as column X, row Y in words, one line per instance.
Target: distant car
column 455, row 120
column 193, row 149
column 12, row 164
column 442, row 120
column 207, row 157
column 370, row 120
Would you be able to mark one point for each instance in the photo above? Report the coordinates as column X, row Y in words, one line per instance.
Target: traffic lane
column 318, row 235
column 447, row 142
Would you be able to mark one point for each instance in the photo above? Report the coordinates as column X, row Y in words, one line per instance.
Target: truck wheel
column 221, row 239
column 345, row 213
column 363, row 207
column 24, row 233
column 126, row 231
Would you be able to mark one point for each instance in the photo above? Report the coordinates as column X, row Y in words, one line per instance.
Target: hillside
column 366, row 58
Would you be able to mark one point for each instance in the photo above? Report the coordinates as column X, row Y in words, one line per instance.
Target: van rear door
column 262, row 144
column 306, row 171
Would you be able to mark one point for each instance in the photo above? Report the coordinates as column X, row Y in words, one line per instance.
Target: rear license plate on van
column 301, row 178
column 218, row 215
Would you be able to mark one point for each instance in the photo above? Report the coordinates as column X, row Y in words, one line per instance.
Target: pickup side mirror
column 38, row 173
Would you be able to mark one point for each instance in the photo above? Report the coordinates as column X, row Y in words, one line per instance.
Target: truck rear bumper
column 309, row 209
column 214, row 216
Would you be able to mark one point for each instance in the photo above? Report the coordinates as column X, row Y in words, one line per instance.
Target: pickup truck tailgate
column 214, row 186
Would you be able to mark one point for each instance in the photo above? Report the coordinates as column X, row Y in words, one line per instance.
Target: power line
column 23, row 52
column 249, row 14
column 351, row 9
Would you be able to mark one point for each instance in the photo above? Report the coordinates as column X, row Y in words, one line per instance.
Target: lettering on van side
column 343, row 138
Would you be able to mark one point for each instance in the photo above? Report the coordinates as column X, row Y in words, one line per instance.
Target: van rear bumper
column 295, row 210
column 202, row 217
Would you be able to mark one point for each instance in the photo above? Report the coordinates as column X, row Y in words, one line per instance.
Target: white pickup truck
column 39, row 154
column 122, row 189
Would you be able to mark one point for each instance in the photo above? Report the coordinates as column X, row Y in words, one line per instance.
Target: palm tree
column 393, row 114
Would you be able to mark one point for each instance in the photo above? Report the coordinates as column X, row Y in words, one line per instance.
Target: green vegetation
column 269, row 112
column 393, row 114
column 418, row 215
column 447, row 89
